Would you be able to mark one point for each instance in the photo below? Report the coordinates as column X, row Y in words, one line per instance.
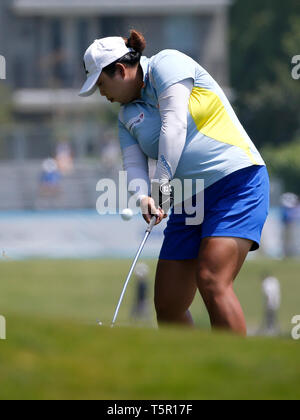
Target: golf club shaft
column 148, row 231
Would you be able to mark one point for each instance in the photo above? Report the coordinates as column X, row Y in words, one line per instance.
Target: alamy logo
column 2, row 67
column 296, row 69
column 187, row 198
column 2, row 328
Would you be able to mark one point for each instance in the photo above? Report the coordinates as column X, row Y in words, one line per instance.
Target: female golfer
column 173, row 111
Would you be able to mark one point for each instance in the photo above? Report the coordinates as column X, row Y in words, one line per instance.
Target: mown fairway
column 54, row 349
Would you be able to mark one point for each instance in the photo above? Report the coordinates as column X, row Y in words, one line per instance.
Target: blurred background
column 55, row 146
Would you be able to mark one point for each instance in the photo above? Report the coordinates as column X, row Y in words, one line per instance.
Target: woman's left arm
column 173, row 106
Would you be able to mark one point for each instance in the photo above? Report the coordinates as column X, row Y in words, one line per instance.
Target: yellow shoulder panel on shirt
column 212, row 120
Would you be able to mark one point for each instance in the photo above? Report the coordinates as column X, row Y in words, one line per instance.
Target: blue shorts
column 236, row 206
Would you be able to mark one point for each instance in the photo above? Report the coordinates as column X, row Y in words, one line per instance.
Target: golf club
column 147, row 233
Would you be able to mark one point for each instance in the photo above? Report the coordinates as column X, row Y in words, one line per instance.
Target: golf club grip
column 151, row 224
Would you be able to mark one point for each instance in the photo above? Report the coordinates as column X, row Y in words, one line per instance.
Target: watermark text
column 296, row 68
column 2, row 328
column 188, row 196
column 2, row 68
column 296, row 329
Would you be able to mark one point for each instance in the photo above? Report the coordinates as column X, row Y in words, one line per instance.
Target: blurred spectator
column 50, row 179
column 140, row 309
column 289, row 203
column 64, row 158
column 272, row 300
column 110, row 154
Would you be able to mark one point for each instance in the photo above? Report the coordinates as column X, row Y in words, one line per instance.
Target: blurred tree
column 284, row 163
column 264, row 38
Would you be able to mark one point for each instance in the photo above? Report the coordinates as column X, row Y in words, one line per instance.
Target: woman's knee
column 212, row 285
column 219, row 262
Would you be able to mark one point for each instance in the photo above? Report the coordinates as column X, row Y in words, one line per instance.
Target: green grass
column 59, row 360
column 83, row 291
column 55, row 350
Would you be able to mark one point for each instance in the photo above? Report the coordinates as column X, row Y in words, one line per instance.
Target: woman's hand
column 149, row 210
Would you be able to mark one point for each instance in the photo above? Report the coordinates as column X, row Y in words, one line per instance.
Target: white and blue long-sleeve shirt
column 185, row 122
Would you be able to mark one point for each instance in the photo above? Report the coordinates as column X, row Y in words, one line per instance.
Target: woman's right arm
column 135, row 163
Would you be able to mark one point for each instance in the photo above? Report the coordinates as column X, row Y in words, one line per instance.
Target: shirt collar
column 144, row 62
column 145, row 66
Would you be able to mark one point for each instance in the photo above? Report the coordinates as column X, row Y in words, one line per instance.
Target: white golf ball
column 127, row 214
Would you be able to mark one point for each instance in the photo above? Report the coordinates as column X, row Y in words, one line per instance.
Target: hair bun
column 136, row 41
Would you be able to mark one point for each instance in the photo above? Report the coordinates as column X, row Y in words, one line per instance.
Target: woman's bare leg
column 175, row 289
column 219, row 262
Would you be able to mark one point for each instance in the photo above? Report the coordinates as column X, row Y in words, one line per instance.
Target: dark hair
column 137, row 42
